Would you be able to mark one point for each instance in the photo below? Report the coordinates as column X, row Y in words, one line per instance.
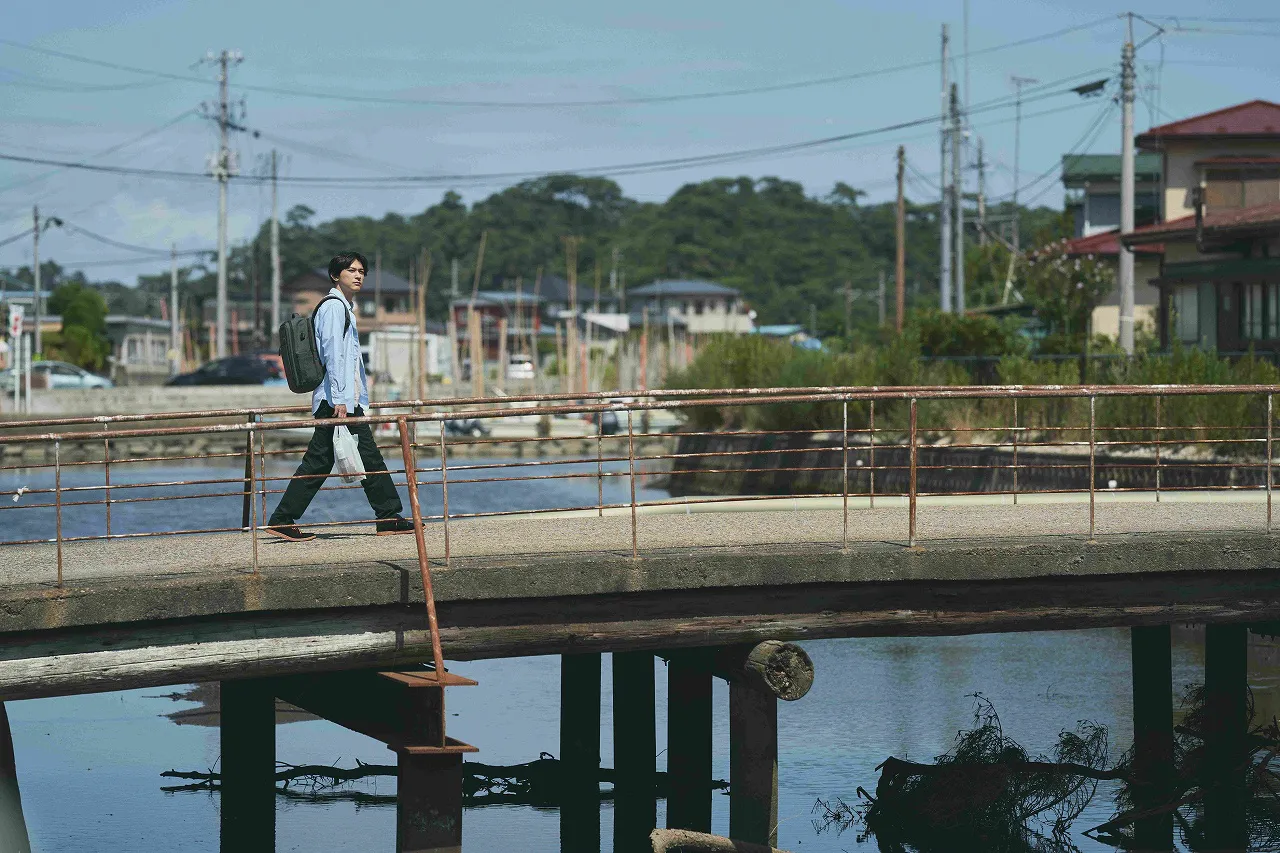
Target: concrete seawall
column 805, row 464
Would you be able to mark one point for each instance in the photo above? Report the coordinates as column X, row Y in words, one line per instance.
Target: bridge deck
column 744, row 525
column 142, row 612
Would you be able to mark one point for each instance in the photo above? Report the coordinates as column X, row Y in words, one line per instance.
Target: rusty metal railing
column 903, row 443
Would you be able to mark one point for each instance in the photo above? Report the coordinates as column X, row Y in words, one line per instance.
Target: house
column 1230, row 156
column 521, row 312
column 703, row 306
column 1092, row 182
column 1219, row 279
column 384, row 299
column 140, row 350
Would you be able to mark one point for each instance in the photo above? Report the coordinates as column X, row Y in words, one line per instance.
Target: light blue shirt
column 344, row 382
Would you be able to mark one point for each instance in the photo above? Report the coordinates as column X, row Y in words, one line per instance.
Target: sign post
column 15, row 350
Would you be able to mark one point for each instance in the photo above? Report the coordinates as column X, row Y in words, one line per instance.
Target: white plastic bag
column 346, row 452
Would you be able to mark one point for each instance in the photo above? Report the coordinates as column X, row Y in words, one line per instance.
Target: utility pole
column 1126, row 191
column 1018, row 82
column 957, row 194
column 275, row 256
column 175, row 332
column 223, row 168
column 982, row 196
column 900, row 265
column 849, row 310
column 944, row 206
column 881, row 297
column 453, row 278
column 35, row 272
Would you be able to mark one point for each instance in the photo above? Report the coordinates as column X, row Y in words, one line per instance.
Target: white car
column 57, row 374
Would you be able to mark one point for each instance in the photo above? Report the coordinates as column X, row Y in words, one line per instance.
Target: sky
column 350, row 80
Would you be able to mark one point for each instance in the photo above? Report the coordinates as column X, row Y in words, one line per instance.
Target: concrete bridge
column 132, row 614
column 270, row 618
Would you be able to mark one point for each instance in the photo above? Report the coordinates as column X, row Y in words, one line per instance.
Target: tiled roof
column 1106, row 243
column 1077, row 169
column 1238, row 160
column 683, row 288
column 391, row 283
column 1254, row 119
column 1222, row 220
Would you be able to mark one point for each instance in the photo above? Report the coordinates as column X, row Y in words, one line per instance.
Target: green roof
column 1079, row 168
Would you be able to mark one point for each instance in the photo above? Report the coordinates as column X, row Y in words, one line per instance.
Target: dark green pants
column 318, row 460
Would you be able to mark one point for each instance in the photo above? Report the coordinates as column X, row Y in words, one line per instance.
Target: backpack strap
column 346, row 316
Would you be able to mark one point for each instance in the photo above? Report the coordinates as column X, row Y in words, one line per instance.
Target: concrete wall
column 70, row 402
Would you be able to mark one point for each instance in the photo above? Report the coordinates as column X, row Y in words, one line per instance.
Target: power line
column 643, row 167
column 601, row 102
column 107, row 241
column 104, row 152
column 16, row 237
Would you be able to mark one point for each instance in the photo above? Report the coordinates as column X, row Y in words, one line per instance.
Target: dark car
column 607, row 421
column 235, row 370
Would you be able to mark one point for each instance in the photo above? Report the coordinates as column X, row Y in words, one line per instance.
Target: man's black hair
column 342, row 260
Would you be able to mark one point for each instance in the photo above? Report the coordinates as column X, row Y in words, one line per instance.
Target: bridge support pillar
column 248, row 790
column 689, row 740
column 580, row 753
column 634, row 751
column 1226, row 673
column 428, row 802
column 1152, row 664
column 753, row 764
column 13, row 825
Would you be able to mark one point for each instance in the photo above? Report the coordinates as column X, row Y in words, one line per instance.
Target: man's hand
column 340, row 411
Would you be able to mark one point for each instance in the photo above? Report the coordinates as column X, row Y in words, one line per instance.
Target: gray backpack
column 303, row 367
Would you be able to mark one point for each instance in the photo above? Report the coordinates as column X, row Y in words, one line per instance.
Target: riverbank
column 813, row 464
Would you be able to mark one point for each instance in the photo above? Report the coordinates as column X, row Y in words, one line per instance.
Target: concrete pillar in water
column 634, row 751
column 248, row 790
column 1152, row 662
column 13, row 826
column 580, row 753
column 428, row 802
column 689, row 740
column 753, row 764
column 1226, row 682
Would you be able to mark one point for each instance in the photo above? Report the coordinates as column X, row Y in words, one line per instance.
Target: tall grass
column 755, row 362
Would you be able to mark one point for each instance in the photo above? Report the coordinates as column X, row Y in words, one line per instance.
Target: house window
column 1245, row 187
column 1260, row 312
column 698, row 306
column 1185, row 301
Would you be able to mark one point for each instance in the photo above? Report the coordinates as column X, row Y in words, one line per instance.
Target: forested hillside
column 784, row 249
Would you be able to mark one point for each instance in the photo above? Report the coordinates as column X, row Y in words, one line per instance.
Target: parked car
column 466, row 427
column 235, row 370
column 606, row 420
column 57, row 374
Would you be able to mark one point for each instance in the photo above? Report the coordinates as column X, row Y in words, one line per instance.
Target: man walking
column 345, row 389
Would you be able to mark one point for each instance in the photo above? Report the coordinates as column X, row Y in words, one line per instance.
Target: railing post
column 599, row 465
column 411, row 477
column 246, row 510
column 262, row 476
column 871, row 431
column 911, row 489
column 106, row 477
column 1015, row 451
column 1160, row 443
column 57, row 496
column 1092, row 460
column 444, row 491
column 631, row 469
column 253, row 500
column 1269, row 410
column 844, row 469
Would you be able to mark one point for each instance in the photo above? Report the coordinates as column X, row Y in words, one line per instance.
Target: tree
column 84, row 324
column 1065, row 290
